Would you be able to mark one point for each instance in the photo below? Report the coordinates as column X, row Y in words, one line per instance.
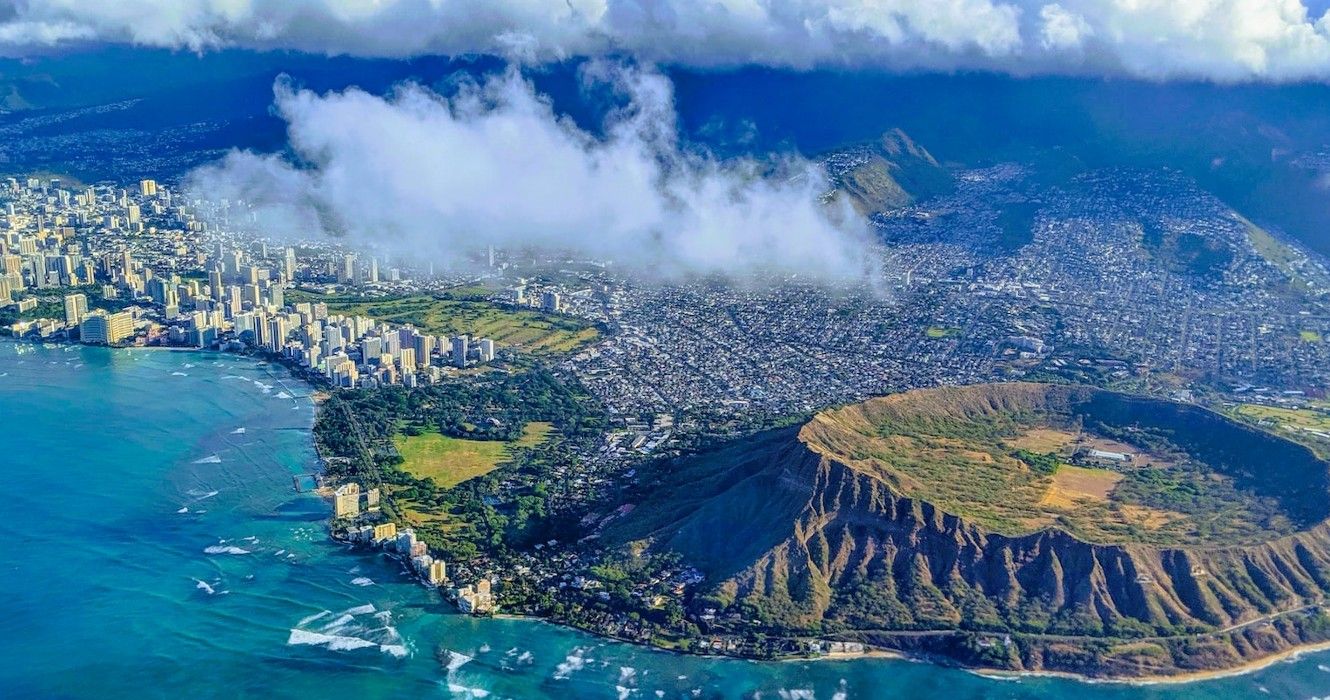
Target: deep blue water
column 152, row 549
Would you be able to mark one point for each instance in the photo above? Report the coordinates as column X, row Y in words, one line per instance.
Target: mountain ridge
column 860, row 557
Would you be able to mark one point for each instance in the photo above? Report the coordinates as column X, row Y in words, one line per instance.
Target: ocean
column 154, row 546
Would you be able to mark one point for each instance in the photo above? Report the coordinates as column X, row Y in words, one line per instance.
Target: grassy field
column 1296, row 417
column 940, row 332
column 450, row 461
column 461, row 311
column 1310, row 336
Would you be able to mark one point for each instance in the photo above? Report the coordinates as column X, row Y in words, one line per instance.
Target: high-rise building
column 460, row 350
column 76, row 307
column 347, row 274
column 147, row 188
column 370, row 349
column 486, row 350
column 215, row 283
column 277, row 331
column 373, row 270
column 102, row 328
column 408, row 360
column 289, row 265
column 346, row 501
column 551, row 303
column 437, row 573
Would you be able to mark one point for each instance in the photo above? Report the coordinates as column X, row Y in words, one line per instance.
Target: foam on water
column 461, row 691
column 316, row 616
column 225, row 549
column 456, row 661
column 574, row 661
column 331, row 641
column 346, row 632
column 210, row 459
column 238, row 431
column 362, row 581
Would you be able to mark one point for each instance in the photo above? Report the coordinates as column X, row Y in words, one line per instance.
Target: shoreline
column 1245, row 668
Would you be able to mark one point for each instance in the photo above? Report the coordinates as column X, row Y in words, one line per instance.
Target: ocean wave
column 210, row 459
column 339, row 623
column 574, row 661
column 225, row 549
column 238, row 431
column 283, row 395
column 362, row 581
column 316, row 616
column 333, row 642
column 456, row 661
column 204, row 586
column 461, row 691
column 179, row 374
column 346, row 632
column 184, row 509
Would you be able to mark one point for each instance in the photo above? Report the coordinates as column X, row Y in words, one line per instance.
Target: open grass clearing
column 451, row 461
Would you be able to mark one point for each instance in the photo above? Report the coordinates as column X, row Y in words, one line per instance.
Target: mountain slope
column 800, row 531
column 889, row 173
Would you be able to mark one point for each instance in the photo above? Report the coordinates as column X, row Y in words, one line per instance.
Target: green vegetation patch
column 941, row 332
column 450, row 461
column 464, row 310
column 1310, row 336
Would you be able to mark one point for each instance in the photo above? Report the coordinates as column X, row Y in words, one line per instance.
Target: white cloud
column 1214, row 39
column 445, row 176
column 1062, row 30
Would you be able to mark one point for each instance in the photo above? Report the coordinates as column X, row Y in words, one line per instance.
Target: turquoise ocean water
column 152, row 546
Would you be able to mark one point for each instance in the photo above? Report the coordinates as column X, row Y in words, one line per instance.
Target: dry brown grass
column 1042, row 440
column 1072, row 487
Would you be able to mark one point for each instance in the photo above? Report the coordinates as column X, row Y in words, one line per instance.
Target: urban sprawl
column 1132, row 280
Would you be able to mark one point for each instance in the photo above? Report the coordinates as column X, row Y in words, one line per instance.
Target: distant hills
column 945, row 511
column 1260, row 148
column 888, row 173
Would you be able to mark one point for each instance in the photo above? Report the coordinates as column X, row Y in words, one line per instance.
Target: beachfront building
column 437, row 572
column 100, row 328
column 346, row 501
column 385, row 532
column 477, row 599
